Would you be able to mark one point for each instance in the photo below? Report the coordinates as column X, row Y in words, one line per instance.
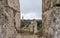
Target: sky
column 31, row 9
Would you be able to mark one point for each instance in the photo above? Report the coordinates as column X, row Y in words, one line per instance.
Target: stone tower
column 51, row 18
column 9, row 18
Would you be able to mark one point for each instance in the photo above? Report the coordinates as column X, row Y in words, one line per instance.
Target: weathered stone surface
column 10, row 28
column 28, row 36
column 33, row 26
column 18, row 36
column 48, row 4
column 51, row 18
column 17, row 20
column 52, row 23
column 3, row 21
column 8, row 19
column 57, row 1
column 14, row 4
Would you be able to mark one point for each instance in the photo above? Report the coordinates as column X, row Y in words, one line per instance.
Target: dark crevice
column 54, row 20
column 16, row 27
column 14, row 12
column 0, row 0
column 5, row 17
column 58, row 5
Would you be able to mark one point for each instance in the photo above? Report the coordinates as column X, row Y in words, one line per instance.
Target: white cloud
column 31, row 9
column 31, row 15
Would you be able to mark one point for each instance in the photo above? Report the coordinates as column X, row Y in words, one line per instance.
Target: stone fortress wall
column 51, row 18
column 10, row 20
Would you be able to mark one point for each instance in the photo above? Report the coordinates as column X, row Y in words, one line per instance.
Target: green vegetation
column 25, row 22
column 22, row 24
column 39, row 25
